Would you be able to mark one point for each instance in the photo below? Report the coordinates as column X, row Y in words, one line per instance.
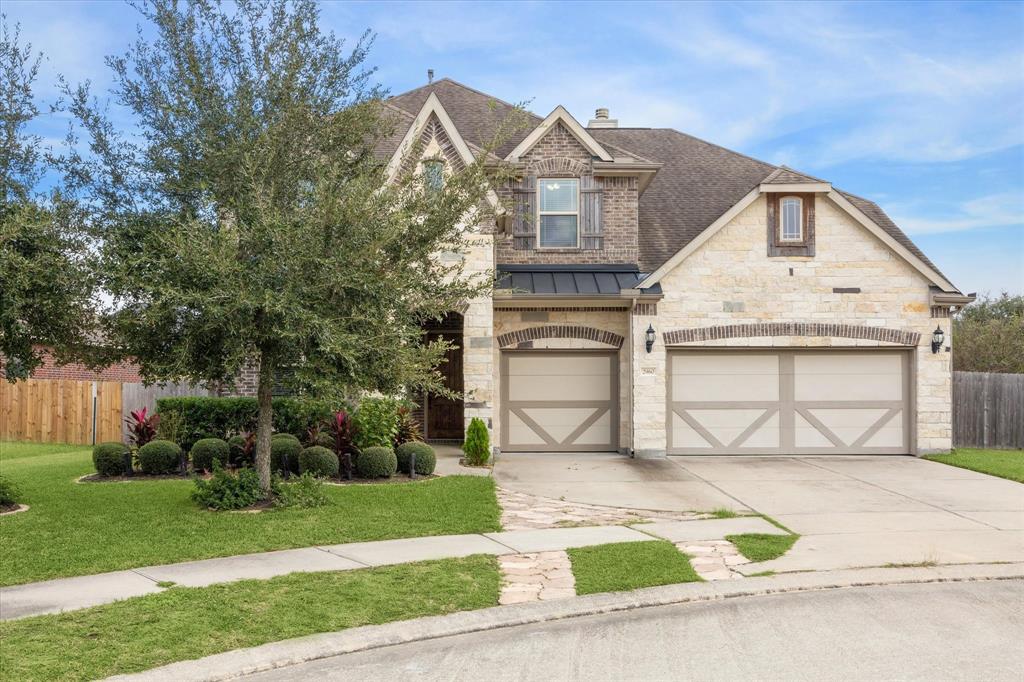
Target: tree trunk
column 264, row 421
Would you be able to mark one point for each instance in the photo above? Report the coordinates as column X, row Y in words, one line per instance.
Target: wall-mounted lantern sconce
column 650, row 336
column 938, row 336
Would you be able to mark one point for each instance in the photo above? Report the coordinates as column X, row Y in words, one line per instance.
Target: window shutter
column 591, row 215
column 524, row 227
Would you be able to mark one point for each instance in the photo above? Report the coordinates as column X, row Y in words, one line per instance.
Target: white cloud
column 995, row 210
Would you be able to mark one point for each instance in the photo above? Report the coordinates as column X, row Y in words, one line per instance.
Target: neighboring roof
column 570, row 280
column 697, row 183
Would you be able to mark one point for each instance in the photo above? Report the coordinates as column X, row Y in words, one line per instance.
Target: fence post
column 95, row 405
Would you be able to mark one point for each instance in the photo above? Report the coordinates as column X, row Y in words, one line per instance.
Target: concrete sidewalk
column 65, row 594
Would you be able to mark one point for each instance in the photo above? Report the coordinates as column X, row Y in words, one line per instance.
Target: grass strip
column 187, row 623
column 628, row 566
column 762, row 547
column 1007, row 464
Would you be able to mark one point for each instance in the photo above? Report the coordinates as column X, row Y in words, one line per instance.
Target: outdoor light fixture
column 650, row 336
column 938, row 336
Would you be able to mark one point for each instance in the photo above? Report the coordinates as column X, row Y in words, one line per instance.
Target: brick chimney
column 601, row 119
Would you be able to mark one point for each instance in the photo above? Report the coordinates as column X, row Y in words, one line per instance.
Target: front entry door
column 444, row 415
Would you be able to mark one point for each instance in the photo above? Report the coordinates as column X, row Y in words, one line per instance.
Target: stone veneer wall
column 614, row 321
column 731, row 281
column 619, row 203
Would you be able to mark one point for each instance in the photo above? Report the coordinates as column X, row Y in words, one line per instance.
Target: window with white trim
column 559, row 206
column 791, row 224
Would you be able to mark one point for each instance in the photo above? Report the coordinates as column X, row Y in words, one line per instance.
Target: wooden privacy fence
column 80, row 412
column 988, row 410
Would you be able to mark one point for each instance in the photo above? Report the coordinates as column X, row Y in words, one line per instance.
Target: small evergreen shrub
column 109, row 459
column 375, row 423
column 376, row 463
column 225, row 490
column 307, row 491
column 9, row 492
column 426, row 460
column 325, row 440
column 285, row 447
column 477, row 445
column 159, row 457
column 242, row 449
column 408, row 428
column 207, row 451
column 318, row 461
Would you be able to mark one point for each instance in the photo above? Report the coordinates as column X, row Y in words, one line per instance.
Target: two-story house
column 657, row 294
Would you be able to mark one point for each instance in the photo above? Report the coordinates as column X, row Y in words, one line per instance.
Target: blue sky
column 919, row 106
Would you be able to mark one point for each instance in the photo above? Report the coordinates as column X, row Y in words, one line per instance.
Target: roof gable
column 559, row 116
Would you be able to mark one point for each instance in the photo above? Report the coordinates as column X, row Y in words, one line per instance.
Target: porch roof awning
column 585, row 281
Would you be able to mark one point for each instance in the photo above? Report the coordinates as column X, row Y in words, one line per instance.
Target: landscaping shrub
column 142, row 427
column 9, row 492
column 342, row 430
column 426, row 460
column 225, row 491
column 207, row 451
column 109, row 459
column 205, row 416
column 477, row 445
column 242, row 449
column 376, row 462
column 159, row 457
column 375, row 423
column 285, row 447
column 318, row 461
column 171, row 426
column 408, row 428
column 307, row 491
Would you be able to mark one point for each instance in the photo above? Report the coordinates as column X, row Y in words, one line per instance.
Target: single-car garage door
column 559, row 401
column 749, row 402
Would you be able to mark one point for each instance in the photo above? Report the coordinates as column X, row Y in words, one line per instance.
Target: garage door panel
column 561, row 386
column 829, row 402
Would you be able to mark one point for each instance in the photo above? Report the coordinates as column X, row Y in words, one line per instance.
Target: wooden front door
column 444, row 415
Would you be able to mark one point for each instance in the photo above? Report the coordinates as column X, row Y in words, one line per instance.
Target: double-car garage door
column 773, row 402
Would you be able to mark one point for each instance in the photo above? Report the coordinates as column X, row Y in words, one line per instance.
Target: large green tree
column 988, row 335
column 248, row 218
column 46, row 286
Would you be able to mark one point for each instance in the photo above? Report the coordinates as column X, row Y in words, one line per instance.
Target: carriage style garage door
column 559, row 401
column 749, row 402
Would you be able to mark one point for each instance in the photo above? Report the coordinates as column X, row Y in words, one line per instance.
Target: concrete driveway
column 851, row 511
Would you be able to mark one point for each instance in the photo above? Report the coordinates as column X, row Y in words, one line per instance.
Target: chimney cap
column 430, row 76
column 601, row 112
column 601, row 119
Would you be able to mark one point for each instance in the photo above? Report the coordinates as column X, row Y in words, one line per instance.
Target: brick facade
column 126, row 372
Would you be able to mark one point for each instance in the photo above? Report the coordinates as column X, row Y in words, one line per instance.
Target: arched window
column 791, row 226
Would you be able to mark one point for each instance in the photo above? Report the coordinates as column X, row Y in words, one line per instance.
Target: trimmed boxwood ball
column 318, row 461
column 282, row 445
column 236, row 451
column 325, row 440
column 376, row 463
column 108, row 458
column 159, row 457
column 206, row 451
column 426, row 460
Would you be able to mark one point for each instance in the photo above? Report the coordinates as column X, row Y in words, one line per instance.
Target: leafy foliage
column 376, row 462
column 477, row 445
column 9, row 493
column 318, row 461
column 224, row 490
column 142, row 427
column 408, row 428
column 159, row 457
column 207, row 451
column 109, row 459
column 343, row 433
column 376, row 422
column 306, row 492
column 426, row 459
column 988, row 335
column 242, row 448
column 284, row 453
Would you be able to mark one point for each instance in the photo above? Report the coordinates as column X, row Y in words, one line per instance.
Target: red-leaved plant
column 141, row 427
column 343, row 431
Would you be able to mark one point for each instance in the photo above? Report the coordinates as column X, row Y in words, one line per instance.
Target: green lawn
column 187, row 623
column 1003, row 463
column 83, row 528
column 628, row 566
column 762, row 547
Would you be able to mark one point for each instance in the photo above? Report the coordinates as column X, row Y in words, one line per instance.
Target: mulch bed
column 397, row 478
column 12, row 508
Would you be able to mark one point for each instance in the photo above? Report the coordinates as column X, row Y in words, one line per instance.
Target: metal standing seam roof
column 570, row 280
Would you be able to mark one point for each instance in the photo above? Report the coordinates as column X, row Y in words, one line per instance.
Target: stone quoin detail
column 560, row 331
column 849, row 331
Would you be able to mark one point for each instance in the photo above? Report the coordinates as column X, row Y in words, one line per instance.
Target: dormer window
column 791, row 225
column 433, row 175
column 559, row 217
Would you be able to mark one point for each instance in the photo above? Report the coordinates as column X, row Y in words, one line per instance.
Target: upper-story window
column 559, row 213
column 791, row 226
column 433, row 175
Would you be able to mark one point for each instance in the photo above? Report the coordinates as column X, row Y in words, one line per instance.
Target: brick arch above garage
column 761, row 329
column 559, row 331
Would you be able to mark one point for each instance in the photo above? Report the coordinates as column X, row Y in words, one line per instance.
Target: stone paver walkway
column 714, row 559
column 520, row 511
column 537, row 576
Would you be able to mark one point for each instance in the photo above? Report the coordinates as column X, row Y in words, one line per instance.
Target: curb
column 235, row 664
